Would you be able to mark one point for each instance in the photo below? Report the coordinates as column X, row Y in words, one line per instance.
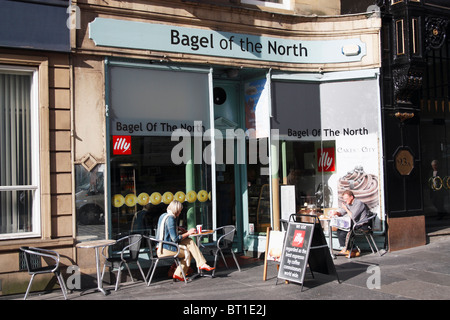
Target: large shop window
column 151, row 162
column 19, row 154
column 329, row 142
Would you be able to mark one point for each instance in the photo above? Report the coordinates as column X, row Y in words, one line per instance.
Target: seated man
column 357, row 210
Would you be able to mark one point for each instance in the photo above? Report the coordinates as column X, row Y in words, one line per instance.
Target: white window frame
column 283, row 4
column 35, row 154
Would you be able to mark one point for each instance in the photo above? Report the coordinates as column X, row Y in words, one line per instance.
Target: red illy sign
column 326, row 160
column 121, row 145
column 299, row 238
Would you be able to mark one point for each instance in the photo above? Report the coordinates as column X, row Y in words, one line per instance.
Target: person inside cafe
column 357, row 210
column 437, row 193
column 168, row 231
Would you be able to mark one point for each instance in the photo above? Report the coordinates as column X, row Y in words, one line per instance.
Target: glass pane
column 400, row 38
column 258, row 185
column 90, row 202
column 145, row 182
column 325, row 148
column 15, row 152
column 15, row 211
column 15, row 146
column 148, row 169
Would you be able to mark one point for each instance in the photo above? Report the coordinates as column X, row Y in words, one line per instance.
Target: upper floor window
column 280, row 4
column 19, row 153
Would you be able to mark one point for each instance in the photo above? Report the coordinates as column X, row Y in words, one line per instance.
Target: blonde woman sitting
column 168, row 231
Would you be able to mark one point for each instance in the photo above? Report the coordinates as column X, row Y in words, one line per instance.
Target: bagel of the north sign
column 168, row 38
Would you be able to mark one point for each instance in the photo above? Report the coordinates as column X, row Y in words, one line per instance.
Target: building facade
column 261, row 96
column 243, row 110
column 415, row 115
column 35, row 123
column 415, row 107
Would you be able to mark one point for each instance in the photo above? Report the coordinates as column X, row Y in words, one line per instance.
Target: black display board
column 294, row 256
column 304, row 245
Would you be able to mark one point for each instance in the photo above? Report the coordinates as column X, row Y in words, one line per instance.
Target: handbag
column 344, row 223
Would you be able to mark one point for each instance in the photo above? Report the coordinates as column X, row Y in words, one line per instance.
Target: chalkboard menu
column 295, row 252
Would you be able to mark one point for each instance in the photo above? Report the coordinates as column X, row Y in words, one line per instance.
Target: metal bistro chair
column 364, row 228
column 51, row 268
column 129, row 253
column 223, row 244
column 153, row 244
column 284, row 223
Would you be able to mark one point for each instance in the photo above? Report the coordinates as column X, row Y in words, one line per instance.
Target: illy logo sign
column 299, row 238
column 121, row 145
column 326, row 160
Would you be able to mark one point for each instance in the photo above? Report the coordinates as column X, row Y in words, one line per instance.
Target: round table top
column 204, row 232
column 96, row 243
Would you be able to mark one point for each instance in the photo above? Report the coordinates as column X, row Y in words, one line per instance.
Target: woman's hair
column 175, row 206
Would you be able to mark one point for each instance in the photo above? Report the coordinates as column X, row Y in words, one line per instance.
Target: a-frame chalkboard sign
column 305, row 244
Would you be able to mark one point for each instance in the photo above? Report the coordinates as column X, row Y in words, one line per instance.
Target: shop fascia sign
column 168, row 38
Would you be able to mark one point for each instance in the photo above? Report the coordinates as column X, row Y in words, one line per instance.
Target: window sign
column 350, row 118
column 326, row 159
column 157, row 102
column 149, row 165
column 121, row 145
column 330, row 134
column 296, row 110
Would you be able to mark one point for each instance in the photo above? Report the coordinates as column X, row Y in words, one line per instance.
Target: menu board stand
column 305, row 244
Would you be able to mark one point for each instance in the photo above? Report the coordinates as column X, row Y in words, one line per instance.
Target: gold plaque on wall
column 404, row 162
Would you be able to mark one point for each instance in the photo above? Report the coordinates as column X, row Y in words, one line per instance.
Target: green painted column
column 190, row 185
column 284, row 161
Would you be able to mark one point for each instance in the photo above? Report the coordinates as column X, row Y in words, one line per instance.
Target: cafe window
column 19, row 152
column 151, row 161
column 329, row 141
column 145, row 182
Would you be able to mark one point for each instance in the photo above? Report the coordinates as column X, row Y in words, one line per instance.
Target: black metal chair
column 364, row 228
column 129, row 252
column 38, row 269
column 153, row 244
column 224, row 244
column 284, row 224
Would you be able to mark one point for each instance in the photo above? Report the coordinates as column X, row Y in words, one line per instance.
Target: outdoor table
column 199, row 236
column 327, row 221
column 97, row 244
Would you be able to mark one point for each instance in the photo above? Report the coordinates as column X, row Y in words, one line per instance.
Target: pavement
column 420, row 273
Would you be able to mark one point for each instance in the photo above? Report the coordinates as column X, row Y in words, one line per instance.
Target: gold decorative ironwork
column 402, row 116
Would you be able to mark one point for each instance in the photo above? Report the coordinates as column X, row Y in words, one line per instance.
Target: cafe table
column 97, row 244
column 199, row 237
column 326, row 224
